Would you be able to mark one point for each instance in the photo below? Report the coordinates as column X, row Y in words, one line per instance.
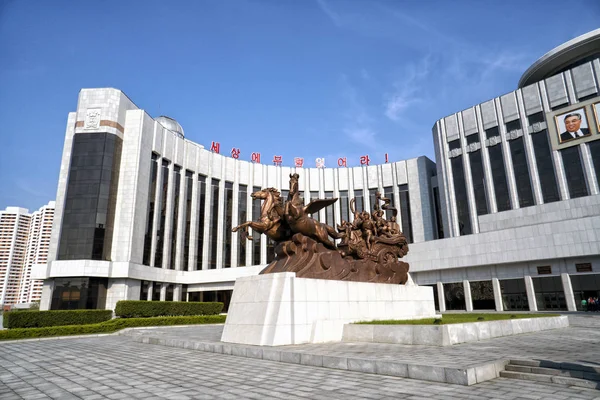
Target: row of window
column 158, row 203
column 571, row 158
column 549, row 293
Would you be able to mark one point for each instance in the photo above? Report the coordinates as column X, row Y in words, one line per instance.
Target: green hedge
column 140, row 308
column 40, row 319
column 108, row 326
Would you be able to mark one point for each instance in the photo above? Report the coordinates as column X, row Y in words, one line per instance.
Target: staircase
column 567, row 374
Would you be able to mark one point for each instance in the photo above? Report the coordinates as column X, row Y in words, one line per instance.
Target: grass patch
column 456, row 319
column 107, row 326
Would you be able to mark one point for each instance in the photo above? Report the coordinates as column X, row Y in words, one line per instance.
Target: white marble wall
column 543, row 96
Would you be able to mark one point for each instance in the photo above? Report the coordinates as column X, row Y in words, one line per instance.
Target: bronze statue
column 368, row 250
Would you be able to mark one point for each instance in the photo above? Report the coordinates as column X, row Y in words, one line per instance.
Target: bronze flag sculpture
column 368, row 250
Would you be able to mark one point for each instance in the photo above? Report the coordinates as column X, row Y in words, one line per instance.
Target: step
column 561, row 380
column 591, row 376
column 590, row 369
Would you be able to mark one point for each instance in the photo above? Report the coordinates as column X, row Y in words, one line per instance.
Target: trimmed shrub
column 107, row 326
column 40, row 319
column 141, row 308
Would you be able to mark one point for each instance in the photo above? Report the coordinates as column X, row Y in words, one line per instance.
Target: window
column 499, row 177
column 438, row 213
column 595, row 153
column 214, row 228
column 460, row 195
column 584, row 267
column 256, row 235
column 373, row 198
column 544, row 270
column 79, row 293
column 91, row 197
column 201, row 207
column 388, row 192
column 314, row 196
column 189, row 182
column 574, row 172
column 150, row 215
column 405, row 213
column 514, row 295
column 478, row 177
column 175, row 215
column 521, row 170
column 329, row 219
column 545, row 166
column 242, row 217
column 158, row 255
column 358, row 200
column 227, row 233
column 344, row 207
column 454, row 295
column 549, row 293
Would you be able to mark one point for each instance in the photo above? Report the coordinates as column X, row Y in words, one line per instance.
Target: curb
column 459, row 376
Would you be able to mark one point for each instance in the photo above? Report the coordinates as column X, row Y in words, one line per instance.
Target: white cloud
column 358, row 126
column 333, row 16
column 363, row 136
column 408, row 89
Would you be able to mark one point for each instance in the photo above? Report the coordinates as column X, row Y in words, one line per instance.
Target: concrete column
column 497, row 294
column 468, row 296
column 163, row 291
column 187, row 296
column 441, row 298
column 530, row 293
column 588, row 168
column 569, row 297
column 177, row 293
column 166, row 259
column 150, row 290
column 46, row 300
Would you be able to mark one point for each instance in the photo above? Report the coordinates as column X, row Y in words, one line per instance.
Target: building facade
column 38, row 245
column 14, row 231
column 508, row 218
column 144, row 213
column 520, row 192
column 24, row 242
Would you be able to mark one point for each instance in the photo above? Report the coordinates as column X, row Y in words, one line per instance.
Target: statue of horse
column 299, row 221
column 271, row 221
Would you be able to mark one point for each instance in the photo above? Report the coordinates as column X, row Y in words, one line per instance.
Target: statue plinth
column 310, row 259
column 282, row 309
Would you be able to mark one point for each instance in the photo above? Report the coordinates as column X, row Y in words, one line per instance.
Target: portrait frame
column 561, row 130
column 596, row 108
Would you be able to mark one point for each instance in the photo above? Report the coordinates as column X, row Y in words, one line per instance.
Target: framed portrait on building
column 572, row 125
column 596, row 108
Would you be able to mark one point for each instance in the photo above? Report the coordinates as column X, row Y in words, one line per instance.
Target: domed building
column 507, row 218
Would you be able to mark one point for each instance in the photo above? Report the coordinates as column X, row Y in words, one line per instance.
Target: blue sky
column 296, row 78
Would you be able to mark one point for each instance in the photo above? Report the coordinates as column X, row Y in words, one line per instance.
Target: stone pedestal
column 280, row 309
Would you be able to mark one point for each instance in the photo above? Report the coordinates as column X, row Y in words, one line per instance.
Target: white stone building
column 38, row 244
column 505, row 220
column 14, row 231
column 24, row 242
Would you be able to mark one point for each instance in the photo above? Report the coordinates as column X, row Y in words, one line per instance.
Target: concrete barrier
column 447, row 335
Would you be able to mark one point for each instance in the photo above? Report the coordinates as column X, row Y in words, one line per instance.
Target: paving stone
column 117, row 365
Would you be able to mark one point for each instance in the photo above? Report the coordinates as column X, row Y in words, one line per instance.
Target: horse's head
column 265, row 194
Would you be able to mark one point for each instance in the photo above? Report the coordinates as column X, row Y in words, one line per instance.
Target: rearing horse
column 271, row 213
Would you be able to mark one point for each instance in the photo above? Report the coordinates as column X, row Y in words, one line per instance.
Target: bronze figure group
column 368, row 249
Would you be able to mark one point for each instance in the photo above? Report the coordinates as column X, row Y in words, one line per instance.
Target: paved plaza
column 117, row 367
